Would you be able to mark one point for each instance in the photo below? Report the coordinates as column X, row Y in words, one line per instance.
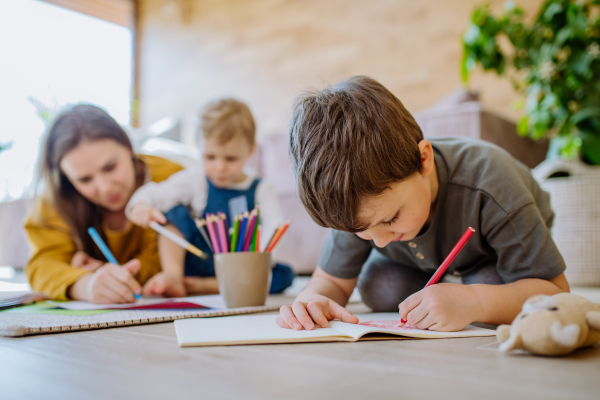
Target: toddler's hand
column 310, row 308
column 83, row 261
column 142, row 214
column 165, row 284
column 441, row 307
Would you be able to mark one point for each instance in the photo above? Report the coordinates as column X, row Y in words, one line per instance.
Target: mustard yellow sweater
column 49, row 268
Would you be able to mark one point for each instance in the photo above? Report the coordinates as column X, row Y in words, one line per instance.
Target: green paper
column 45, row 308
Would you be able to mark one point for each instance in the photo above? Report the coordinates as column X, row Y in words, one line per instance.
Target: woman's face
column 102, row 171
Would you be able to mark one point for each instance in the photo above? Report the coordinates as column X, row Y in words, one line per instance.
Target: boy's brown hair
column 225, row 119
column 347, row 142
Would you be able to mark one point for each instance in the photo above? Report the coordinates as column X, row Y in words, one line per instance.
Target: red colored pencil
column 277, row 237
column 444, row 266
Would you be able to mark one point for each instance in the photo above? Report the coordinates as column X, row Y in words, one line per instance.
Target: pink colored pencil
column 444, row 266
column 211, row 232
column 224, row 245
column 249, row 232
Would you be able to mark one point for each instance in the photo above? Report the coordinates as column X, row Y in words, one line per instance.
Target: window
column 52, row 57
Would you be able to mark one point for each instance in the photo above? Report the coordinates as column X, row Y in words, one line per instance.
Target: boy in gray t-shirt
column 397, row 204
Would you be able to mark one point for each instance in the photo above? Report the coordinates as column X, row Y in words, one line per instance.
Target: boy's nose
column 380, row 239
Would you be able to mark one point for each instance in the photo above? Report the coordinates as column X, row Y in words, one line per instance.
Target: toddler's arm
column 182, row 187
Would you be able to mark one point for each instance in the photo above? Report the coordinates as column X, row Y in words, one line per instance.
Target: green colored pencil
column 236, row 233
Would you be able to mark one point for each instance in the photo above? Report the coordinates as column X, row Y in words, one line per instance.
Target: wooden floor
column 144, row 362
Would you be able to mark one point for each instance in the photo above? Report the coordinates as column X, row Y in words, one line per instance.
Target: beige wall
column 265, row 51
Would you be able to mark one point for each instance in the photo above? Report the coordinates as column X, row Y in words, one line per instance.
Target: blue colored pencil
column 105, row 250
column 242, row 233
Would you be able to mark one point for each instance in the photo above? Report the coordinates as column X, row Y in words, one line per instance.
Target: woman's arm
column 49, row 269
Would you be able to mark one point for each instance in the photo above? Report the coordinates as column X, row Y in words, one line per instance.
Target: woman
column 89, row 173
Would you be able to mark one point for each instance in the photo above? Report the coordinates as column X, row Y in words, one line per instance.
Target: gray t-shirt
column 480, row 186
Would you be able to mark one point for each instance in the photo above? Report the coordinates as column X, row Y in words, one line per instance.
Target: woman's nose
column 103, row 185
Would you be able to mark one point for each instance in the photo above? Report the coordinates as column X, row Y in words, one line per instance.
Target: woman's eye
column 85, row 180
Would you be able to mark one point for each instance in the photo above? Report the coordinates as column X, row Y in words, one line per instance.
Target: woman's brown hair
column 78, row 124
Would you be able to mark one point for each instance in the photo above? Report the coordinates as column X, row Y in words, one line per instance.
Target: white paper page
column 356, row 330
column 213, row 301
column 242, row 329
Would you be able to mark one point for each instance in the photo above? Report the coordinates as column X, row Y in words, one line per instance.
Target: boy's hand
column 441, row 307
column 310, row 308
column 142, row 214
column 165, row 284
column 83, row 261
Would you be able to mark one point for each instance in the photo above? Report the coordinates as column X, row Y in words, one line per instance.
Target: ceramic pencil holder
column 244, row 278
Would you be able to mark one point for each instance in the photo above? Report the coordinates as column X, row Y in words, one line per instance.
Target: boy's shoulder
column 482, row 166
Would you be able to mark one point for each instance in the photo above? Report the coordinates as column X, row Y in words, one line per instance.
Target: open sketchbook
column 262, row 329
column 214, row 302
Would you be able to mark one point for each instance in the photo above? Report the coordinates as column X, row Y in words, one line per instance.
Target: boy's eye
column 209, row 157
column 390, row 222
column 231, row 159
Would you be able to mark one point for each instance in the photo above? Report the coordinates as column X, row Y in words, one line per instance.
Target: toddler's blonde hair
column 225, row 119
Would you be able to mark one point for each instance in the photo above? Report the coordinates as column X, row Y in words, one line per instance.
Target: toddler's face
column 399, row 213
column 224, row 163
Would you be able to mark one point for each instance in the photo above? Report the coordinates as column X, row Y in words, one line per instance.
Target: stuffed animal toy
column 552, row 325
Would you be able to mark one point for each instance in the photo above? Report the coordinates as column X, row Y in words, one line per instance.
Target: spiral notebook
column 15, row 324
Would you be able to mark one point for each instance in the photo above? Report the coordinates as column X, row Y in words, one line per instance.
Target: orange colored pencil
column 278, row 237
column 257, row 248
column 272, row 237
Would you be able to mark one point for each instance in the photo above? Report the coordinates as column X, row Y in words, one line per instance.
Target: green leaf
column 590, row 147
column 522, row 126
column 552, row 10
column 585, row 113
column 471, row 35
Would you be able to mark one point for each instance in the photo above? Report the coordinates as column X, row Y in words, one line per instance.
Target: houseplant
column 554, row 61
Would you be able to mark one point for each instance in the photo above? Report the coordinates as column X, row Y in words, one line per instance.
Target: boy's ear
column 427, row 159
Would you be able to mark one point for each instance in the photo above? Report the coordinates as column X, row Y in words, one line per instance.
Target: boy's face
column 224, row 162
column 400, row 212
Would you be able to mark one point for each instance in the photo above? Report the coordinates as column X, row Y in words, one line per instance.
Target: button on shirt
column 482, row 186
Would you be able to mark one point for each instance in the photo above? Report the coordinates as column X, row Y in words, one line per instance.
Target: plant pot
column 574, row 190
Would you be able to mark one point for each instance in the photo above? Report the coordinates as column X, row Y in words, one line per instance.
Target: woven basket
column 576, row 230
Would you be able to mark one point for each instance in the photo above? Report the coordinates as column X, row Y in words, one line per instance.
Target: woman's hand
column 141, row 214
column 441, row 307
column 110, row 284
column 83, row 261
column 310, row 308
column 165, row 284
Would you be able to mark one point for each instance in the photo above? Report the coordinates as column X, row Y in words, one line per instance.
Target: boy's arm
column 451, row 307
column 499, row 304
column 320, row 301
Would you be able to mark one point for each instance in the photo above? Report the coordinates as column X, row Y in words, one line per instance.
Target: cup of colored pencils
column 243, row 271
